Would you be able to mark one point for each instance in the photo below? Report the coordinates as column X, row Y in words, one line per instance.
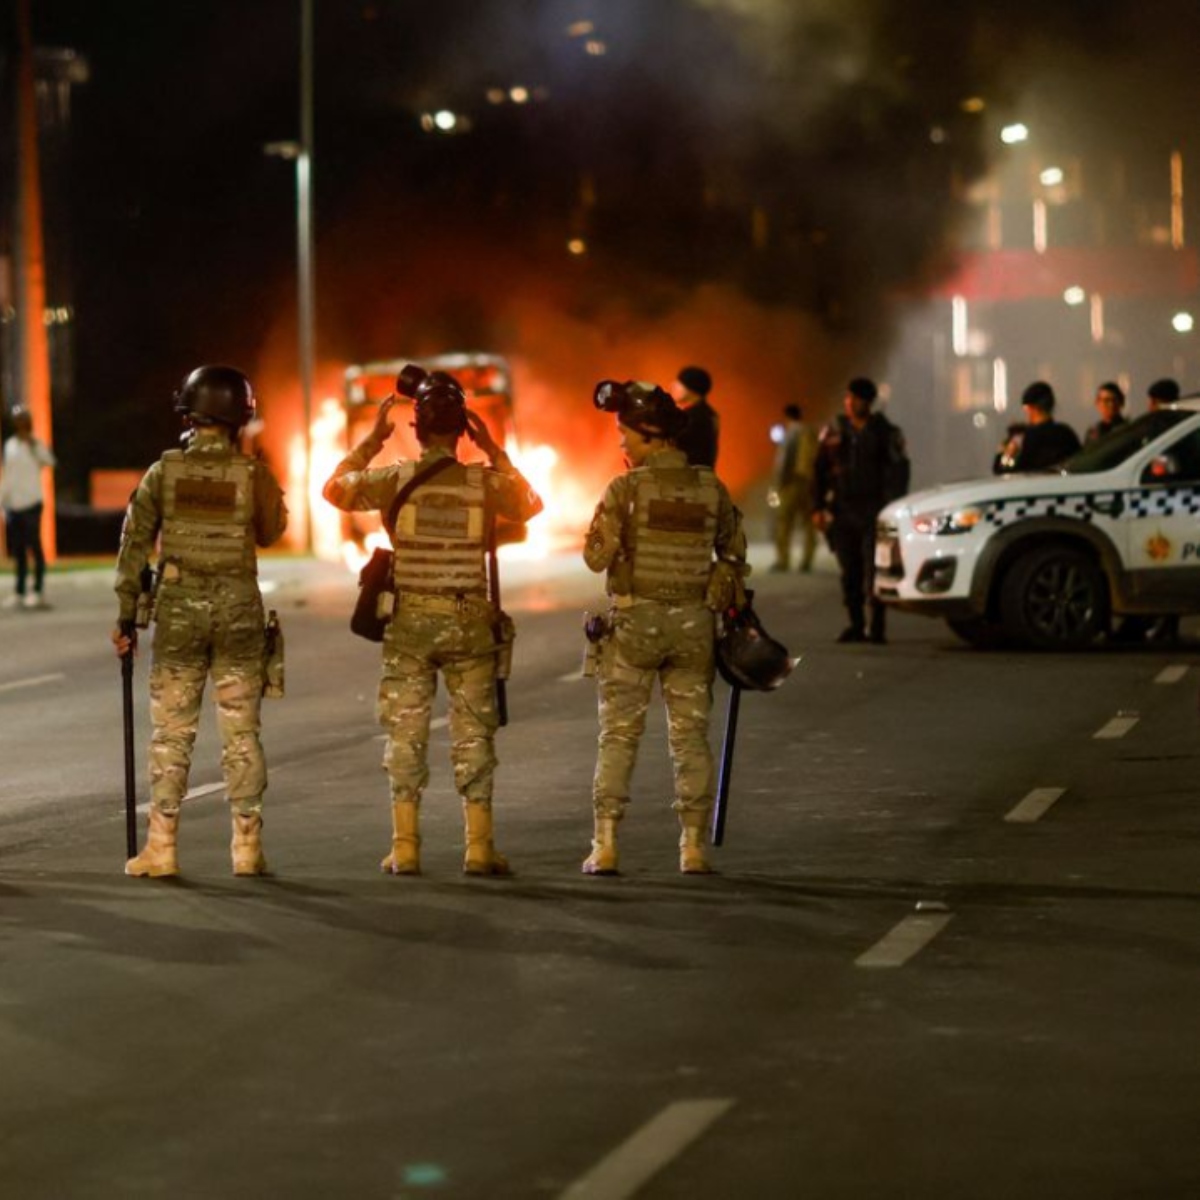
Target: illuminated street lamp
column 1183, row 322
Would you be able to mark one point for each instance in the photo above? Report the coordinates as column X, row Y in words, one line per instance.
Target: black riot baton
column 721, row 804
column 128, row 630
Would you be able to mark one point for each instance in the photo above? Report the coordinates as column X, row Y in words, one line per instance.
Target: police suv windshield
column 1114, row 448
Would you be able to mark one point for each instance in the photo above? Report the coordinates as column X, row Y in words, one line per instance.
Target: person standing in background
column 22, row 499
column 702, row 433
column 1044, row 442
column 792, row 494
column 1110, row 404
column 862, row 465
column 1161, row 393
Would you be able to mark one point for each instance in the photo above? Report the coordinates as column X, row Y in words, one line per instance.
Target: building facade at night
column 1072, row 270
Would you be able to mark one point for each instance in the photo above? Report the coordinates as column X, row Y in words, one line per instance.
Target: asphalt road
column 952, row 950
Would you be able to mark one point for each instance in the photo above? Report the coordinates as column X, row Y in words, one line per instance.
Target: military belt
column 455, row 605
column 678, row 600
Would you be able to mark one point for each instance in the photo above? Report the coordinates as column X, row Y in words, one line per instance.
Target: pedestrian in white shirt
column 22, row 500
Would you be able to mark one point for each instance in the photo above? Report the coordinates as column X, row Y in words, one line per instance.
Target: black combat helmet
column 216, row 395
column 641, row 406
column 440, row 406
column 748, row 657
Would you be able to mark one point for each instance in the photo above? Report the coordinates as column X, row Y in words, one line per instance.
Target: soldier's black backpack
column 376, row 591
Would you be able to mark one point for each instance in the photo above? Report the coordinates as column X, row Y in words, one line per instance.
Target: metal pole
column 304, row 250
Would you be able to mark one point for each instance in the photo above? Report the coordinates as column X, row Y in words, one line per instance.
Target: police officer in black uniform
column 702, row 429
column 861, row 466
column 1045, row 442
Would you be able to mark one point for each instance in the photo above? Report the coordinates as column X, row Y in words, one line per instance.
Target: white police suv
column 1047, row 559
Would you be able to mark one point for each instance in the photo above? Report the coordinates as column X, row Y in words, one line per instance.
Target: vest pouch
column 506, row 634
column 376, row 597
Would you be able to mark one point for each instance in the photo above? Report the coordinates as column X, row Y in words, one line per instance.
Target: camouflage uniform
column 208, row 506
column 444, row 620
column 655, row 532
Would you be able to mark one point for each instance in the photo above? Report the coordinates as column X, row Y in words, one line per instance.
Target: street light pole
column 304, row 251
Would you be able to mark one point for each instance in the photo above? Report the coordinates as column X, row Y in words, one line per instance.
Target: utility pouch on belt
column 506, row 634
column 376, row 590
column 144, row 613
column 596, row 628
column 273, row 658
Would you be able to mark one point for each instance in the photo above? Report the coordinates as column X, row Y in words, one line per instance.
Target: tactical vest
column 441, row 534
column 674, row 530
column 208, row 513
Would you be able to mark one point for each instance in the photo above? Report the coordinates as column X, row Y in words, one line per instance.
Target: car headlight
column 948, row 520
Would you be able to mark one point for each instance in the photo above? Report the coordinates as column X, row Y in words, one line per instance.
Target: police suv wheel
column 1055, row 598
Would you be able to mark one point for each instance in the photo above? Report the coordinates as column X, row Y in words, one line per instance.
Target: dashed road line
column 1034, row 805
column 1118, row 727
column 640, row 1157
column 1171, row 674
column 32, row 681
column 904, row 941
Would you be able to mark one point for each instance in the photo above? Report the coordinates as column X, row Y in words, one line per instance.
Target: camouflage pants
column 418, row 645
column 201, row 631
column 674, row 644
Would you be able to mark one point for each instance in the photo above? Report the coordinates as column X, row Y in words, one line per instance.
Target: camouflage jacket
column 355, row 486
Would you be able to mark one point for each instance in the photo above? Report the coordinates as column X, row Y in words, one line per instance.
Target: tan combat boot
column 694, row 825
column 603, row 858
column 405, row 858
column 246, row 847
column 482, row 857
column 158, row 857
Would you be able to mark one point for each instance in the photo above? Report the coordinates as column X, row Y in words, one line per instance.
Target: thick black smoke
column 806, row 156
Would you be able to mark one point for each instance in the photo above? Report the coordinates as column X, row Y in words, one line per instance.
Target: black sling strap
column 407, row 490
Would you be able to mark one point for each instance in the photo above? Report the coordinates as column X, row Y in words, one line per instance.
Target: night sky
column 831, row 129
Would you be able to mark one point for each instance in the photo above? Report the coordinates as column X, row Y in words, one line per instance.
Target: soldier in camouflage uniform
column 208, row 506
column 443, row 619
column 671, row 541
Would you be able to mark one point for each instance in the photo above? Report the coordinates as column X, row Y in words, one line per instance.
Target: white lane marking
column 1034, row 805
column 573, row 677
column 1171, row 674
column 32, row 681
column 908, row 938
column 624, row 1171
column 1118, row 727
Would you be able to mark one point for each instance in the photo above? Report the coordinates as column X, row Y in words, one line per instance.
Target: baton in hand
column 128, row 630
column 723, row 780
column 494, row 595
